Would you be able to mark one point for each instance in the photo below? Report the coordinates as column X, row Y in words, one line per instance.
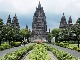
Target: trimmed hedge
column 18, row 54
column 61, row 55
column 67, row 45
column 4, row 46
column 16, row 44
column 39, row 52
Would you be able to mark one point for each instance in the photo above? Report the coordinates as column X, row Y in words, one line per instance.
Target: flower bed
column 39, row 53
column 4, row 46
column 18, row 54
column 61, row 55
column 67, row 45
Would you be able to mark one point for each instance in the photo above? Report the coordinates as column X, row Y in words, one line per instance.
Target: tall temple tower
column 63, row 23
column 15, row 22
column 39, row 27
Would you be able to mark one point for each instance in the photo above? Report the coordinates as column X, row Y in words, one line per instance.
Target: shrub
column 66, row 45
column 61, row 44
column 78, row 49
column 26, row 42
column 16, row 44
column 39, row 53
column 18, row 54
column 75, row 48
column 53, row 43
column 4, row 46
column 61, row 55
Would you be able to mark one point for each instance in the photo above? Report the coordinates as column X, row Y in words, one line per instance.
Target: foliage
column 10, row 33
column 25, row 32
column 4, row 46
column 67, row 45
column 1, row 22
column 54, row 32
column 39, row 53
column 61, row 55
column 18, row 54
column 1, row 25
column 16, row 44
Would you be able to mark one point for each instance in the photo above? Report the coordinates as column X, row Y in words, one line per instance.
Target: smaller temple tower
column 63, row 23
column 15, row 22
column 70, row 23
column 8, row 20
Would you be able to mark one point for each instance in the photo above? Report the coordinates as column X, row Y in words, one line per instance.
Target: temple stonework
column 14, row 23
column 39, row 27
column 64, row 24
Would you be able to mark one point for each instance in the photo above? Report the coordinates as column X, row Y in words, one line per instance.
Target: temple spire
column 39, row 6
column 8, row 20
column 39, row 2
column 26, row 26
column 8, row 16
column 15, row 14
column 63, row 14
column 70, row 19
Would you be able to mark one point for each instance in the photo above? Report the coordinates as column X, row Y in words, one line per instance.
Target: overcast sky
column 53, row 9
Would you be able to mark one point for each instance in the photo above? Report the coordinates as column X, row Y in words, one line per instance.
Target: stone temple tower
column 63, row 23
column 39, row 27
column 8, row 20
column 70, row 23
column 15, row 22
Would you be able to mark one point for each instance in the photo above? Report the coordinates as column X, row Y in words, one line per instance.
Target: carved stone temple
column 39, row 27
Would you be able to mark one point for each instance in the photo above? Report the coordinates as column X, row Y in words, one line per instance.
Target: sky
column 53, row 9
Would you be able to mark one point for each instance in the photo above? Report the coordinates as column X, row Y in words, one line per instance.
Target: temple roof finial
column 39, row 6
column 70, row 16
column 9, row 16
column 63, row 14
column 26, row 26
column 15, row 14
column 39, row 2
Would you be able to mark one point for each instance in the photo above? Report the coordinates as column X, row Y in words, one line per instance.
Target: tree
column 25, row 33
column 76, row 30
column 10, row 33
column 1, row 25
column 55, row 33
column 7, row 33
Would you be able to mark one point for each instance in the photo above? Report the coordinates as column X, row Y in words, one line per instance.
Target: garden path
column 72, row 52
column 4, row 52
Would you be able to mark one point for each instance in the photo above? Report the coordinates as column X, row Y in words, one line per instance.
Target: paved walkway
column 72, row 52
column 52, row 56
column 4, row 52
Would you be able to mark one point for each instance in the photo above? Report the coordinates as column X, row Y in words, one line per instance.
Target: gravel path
column 4, row 52
column 72, row 52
